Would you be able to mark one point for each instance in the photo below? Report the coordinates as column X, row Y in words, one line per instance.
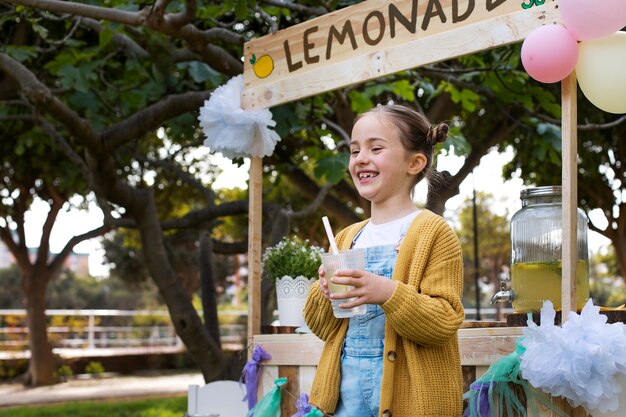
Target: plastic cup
column 352, row 259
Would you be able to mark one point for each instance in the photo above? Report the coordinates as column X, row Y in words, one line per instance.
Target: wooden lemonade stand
column 363, row 42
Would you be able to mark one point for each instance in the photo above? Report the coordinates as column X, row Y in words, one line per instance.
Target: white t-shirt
column 389, row 233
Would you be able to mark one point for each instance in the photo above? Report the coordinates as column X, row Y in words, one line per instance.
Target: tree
column 605, row 286
column 117, row 86
column 494, row 245
column 33, row 167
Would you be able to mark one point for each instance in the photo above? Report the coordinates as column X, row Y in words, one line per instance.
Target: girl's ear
column 417, row 163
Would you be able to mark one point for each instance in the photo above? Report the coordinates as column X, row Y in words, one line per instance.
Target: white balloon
column 601, row 72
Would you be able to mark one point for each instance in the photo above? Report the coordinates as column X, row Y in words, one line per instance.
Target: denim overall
column 362, row 356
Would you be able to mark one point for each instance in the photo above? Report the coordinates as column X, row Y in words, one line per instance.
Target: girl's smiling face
column 381, row 168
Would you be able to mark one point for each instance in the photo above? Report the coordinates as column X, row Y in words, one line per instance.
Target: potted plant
column 293, row 264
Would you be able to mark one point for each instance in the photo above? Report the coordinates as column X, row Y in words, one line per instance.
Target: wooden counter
column 295, row 356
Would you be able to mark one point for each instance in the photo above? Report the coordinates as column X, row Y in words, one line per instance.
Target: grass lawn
column 153, row 407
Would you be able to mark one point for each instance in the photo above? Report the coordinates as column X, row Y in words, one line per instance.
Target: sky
column 486, row 178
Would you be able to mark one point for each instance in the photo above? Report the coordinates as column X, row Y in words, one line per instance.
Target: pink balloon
column 590, row 19
column 549, row 53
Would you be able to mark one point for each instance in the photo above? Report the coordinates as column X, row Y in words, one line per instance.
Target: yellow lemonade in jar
column 338, row 288
column 534, row 282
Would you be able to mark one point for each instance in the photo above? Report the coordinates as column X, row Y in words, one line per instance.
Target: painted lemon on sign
column 263, row 66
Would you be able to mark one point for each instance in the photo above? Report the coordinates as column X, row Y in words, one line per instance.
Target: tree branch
column 608, row 232
column 345, row 137
column 25, row 117
column 197, row 217
column 211, row 35
column 229, row 248
column 314, row 204
column 66, row 37
column 187, row 16
column 21, row 205
column 273, row 24
column 177, row 170
column 588, row 126
column 152, row 117
column 41, row 97
column 198, row 40
column 130, row 46
column 55, row 207
column 85, row 10
column 313, row 11
column 59, row 259
column 19, row 252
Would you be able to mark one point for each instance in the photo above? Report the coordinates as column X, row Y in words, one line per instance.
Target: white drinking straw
column 331, row 237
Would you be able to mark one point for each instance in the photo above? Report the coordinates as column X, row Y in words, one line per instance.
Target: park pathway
column 116, row 387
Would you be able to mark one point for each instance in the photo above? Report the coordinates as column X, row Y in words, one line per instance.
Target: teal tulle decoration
column 494, row 393
column 269, row 405
column 314, row 413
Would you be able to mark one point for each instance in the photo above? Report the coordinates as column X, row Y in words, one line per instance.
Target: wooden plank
column 490, row 23
column 561, row 404
column 485, row 350
column 307, row 373
column 494, row 331
column 291, row 349
column 291, row 390
column 255, row 216
column 569, row 182
column 477, row 346
column 266, row 381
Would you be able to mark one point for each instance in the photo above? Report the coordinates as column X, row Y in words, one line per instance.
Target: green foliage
column 607, row 287
column 94, row 368
column 363, row 100
column 63, row 372
column 333, row 167
column 156, row 412
column 494, row 243
column 468, row 98
column 168, row 407
column 292, row 257
column 9, row 369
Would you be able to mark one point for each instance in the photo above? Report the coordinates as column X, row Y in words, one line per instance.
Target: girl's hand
column 368, row 288
column 323, row 282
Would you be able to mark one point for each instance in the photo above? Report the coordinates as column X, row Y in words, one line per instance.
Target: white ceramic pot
column 291, row 295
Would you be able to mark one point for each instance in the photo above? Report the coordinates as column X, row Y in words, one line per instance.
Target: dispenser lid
column 545, row 191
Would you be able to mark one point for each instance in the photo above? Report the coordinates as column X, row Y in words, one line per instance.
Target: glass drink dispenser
column 536, row 251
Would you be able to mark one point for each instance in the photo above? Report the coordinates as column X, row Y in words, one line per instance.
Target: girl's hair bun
column 437, row 134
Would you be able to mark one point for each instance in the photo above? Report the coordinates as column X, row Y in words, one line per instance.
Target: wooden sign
column 380, row 37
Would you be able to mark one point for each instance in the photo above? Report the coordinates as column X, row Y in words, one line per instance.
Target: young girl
column 400, row 359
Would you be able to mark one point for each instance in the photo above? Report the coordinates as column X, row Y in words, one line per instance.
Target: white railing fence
column 105, row 329
column 98, row 329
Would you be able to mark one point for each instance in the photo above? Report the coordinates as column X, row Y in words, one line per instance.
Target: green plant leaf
column 404, row 89
column 359, row 102
column 332, row 167
column 241, row 9
column 21, row 53
column 104, row 37
column 201, row 72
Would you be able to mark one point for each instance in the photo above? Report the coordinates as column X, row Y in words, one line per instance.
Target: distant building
column 78, row 263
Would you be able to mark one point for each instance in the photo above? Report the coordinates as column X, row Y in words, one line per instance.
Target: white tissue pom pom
column 580, row 360
column 233, row 131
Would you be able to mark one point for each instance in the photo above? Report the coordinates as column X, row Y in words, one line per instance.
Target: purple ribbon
column 302, row 405
column 479, row 404
column 250, row 374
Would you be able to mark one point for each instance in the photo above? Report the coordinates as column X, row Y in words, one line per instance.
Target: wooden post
column 255, row 217
column 570, row 184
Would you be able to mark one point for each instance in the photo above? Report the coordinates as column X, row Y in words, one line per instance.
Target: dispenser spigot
column 503, row 295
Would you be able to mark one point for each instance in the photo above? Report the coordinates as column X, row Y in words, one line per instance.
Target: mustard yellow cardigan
column 422, row 366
